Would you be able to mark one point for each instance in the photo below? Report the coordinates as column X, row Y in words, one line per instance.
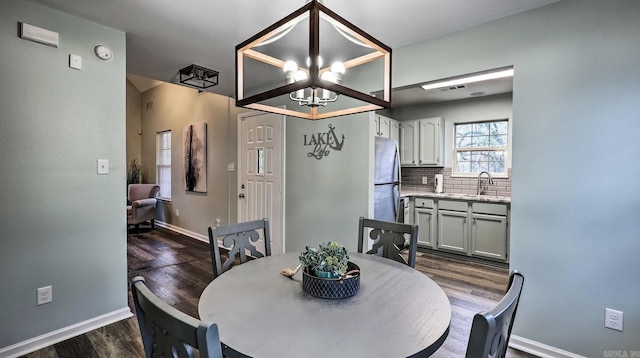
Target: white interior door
column 261, row 185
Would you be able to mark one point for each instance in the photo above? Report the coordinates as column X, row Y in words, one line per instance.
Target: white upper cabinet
column 408, row 143
column 387, row 127
column 422, row 142
column 394, row 130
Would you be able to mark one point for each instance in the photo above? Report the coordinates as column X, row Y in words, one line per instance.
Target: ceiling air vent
column 452, row 88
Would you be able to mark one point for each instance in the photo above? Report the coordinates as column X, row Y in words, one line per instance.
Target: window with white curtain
column 481, row 146
column 163, row 164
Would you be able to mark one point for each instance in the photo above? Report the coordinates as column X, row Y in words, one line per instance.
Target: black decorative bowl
column 331, row 287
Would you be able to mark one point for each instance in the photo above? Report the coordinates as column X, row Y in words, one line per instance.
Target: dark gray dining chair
column 167, row 332
column 388, row 239
column 238, row 239
column 490, row 330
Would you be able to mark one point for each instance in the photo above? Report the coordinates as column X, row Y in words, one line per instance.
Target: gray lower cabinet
column 407, row 212
column 468, row 228
column 489, row 236
column 452, row 231
column 489, row 231
column 426, row 219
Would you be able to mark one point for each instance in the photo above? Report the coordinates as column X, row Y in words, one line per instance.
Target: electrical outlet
column 217, row 222
column 45, row 295
column 613, row 319
column 177, row 212
column 425, row 180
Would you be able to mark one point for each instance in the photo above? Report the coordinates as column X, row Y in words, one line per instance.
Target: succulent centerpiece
column 328, row 273
column 328, row 260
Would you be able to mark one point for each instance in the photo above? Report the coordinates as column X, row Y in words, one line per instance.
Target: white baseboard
column 182, row 231
column 539, row 349
column 51, row 338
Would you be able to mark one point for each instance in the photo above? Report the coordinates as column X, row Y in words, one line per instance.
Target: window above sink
column 481, row 146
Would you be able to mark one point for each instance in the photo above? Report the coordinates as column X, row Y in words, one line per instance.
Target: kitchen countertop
column 457, row 196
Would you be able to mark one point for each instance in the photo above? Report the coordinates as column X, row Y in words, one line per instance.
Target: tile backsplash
column 412, row 180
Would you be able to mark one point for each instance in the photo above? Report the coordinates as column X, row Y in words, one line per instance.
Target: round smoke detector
column 102, row 52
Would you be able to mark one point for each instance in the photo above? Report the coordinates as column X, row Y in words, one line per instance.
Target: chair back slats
column 387, row 244
column 239, row 239
column 388, row 239
column 167, row 332
column 490, row 330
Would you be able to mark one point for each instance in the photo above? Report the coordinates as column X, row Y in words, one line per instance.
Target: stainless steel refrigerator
column 386, row 180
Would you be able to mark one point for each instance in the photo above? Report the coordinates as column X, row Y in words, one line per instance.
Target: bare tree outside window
column 481, row 146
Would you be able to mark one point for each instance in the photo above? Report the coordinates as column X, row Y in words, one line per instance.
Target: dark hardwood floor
column 178, row 268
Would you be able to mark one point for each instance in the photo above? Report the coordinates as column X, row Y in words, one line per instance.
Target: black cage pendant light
column 198, row 77
column 282, row 68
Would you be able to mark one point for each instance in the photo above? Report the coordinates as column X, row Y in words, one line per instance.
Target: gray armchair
column 141, row 204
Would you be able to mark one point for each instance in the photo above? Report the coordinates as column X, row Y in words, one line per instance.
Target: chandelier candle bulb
column 338, row 70
column 290, row 70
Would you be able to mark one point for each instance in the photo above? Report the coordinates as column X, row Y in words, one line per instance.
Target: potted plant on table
column 328, row 273
column 329, row 260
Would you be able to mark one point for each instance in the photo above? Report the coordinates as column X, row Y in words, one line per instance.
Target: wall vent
column 452, row 88
column 149, row 105
column 38, row 34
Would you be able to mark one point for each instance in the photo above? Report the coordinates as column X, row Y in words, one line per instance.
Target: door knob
column 241, row 196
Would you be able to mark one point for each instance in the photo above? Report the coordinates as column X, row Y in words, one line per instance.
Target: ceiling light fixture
column 198, row 77
column 475, row 77
column 312, row 91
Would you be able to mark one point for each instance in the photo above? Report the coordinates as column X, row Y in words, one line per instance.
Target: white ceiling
column 164, row 36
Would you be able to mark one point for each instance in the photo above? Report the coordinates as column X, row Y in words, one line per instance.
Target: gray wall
column 330, row 193
column 174, row 107
column 325, row 197
column 574, row 230
column 62, row 225
column 134, row 124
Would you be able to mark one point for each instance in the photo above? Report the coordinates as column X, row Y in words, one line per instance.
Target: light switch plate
column 103, row 166
column 75, row 61
column 231, row 167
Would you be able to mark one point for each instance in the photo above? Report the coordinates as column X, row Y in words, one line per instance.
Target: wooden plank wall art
column 195, row 157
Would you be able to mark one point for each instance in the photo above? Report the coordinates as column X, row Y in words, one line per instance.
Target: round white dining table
column 397, row 312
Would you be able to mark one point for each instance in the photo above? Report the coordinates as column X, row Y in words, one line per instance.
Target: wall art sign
column 323, row 143
column 194, row 137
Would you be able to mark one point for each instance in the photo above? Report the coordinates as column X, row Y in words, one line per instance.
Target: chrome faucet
column 482, row 188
